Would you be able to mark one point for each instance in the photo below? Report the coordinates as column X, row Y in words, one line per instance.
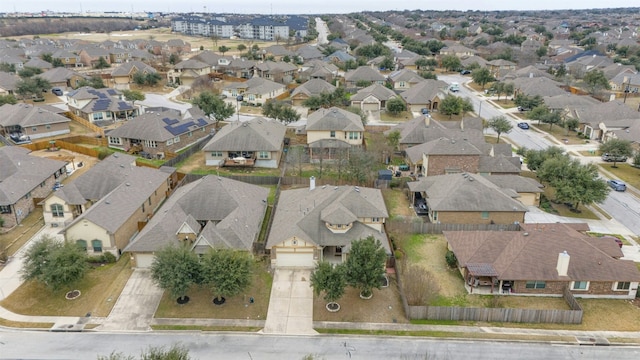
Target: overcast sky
column 296, row 6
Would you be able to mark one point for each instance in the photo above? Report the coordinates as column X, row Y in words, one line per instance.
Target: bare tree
column 420, row 286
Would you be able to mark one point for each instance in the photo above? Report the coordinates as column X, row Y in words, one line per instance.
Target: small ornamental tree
column 617, row 148
column 331, row 280
column 54, row 263
column 213, row 106
column 500, row 125
column 133, row 95
column 226, row 272
column 175, row 268
column 366, row 265
column 395, row 106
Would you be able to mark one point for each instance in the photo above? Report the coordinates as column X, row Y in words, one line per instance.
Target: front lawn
column 99, row 289
column 389, row 117
column 13, row 240
column 624, row 172
column 237, row 307
column 559, row 133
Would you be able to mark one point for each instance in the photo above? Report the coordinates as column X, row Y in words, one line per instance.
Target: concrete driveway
column 136, row 305
column 291, row 304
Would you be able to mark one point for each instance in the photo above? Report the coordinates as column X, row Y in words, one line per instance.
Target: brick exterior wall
column 185, row 141
column 25, row 205
column 556, row 288
column 438, row 164
column 475, row 217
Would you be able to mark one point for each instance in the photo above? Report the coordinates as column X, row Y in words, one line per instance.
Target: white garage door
column 144, row 260
column 299, row 259
column 370, row 106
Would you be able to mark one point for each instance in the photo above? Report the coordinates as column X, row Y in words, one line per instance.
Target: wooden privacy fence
column 93, row 127
column 495, row 314
column 420, row 227
column 273, row 180
column 42, row 145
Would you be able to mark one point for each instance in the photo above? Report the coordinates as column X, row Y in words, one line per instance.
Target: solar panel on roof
column 101, row 104
column 112, row 92
column 202, row 122
column 123, row 105
column 170, row 121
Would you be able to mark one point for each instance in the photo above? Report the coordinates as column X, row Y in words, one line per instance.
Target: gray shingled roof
column 258, row 134
column 256, row 85
column 607, row 113
column 233, row 211
column 132, row 67
column 518, row 183
column 8, row 81
column 334, row 119
column 533, row 255
column 378, row 91
column 20, row 172
column 26, row 115
column 424, row 92
column 159, row 126
column 364, row 73
column 465, row 192
column 300, row 213
column 499, row 164
column 133, row 187
column 422, row 129
column 313, row 87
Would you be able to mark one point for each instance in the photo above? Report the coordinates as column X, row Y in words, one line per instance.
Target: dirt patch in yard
column 384, row 307
column 194, row 162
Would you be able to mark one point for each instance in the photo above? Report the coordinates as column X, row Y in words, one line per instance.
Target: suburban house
column 372, row 98
column 631, row 134
column 100, row 105
column 423, row 129
column 363, row 76
column 465, row 198
column 31, row 121
column 123, row 74
column 280, row 72
column 90, row 56
column 63, row 78
column 313, row 87
column 333, row 129
column 106, row 206
column 254, row 143
column 598, row 119
column 424, row 95
column 239, row 68
column 458, row 51
column 319, row 224
column 68, row 59
column 212, row 212
column 24, row 180
column 187, row 71
column 278, row 52
column 317, row 69
column 162, row 130
column 543, row 259
column 255, row 91
column 528, row 189
column 8, row 83
column 404, row 79
column 500, row 67
column 533, row 86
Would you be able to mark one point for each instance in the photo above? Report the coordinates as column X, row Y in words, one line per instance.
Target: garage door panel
column 295, row 259
column 144, row 260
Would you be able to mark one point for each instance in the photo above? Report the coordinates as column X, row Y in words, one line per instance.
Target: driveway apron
column 136, row 305
column 291, row 303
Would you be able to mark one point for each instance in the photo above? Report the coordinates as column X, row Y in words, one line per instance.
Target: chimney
column 312, row 183
column 563, row 263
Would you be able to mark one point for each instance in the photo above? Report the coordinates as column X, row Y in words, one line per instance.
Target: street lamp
column 239, row 99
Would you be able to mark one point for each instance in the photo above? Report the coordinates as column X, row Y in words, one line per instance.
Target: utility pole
column 626, row 90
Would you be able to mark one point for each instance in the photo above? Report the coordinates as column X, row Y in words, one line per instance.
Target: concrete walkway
column 291, row 303
column 136, row 304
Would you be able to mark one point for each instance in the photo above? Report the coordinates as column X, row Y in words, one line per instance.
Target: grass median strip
column 446, row 334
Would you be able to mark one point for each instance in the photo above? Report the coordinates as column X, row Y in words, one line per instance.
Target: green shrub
column 450, row 258
column 96, row 259
column 109, row 258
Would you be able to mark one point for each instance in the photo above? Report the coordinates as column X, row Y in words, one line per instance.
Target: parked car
column 424, row 111
column 403, row 167
column 465, row 72
column 617, row 185
column 523, row 125
column 613, row 158
column 57, row 91
column 522, row 109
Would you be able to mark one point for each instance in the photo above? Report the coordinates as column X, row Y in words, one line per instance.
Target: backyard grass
column 100, row 289
column 624, row 172
column 236, row 307
column 397, row 202
column 13, row 240
column 25, row 325
column 491, row 139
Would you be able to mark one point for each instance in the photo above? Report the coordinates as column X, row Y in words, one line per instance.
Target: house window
column 150, row 143
column 263, row 155
column 216, row 154
column 485, row 214
column 535, row 285
column 169, row 142
column 354, row 135
column 375, row 219
column 115, row 140
column 48, row 127
column 142, row 207
column 96, row 245
column 57, row 210
column 82, row 244
column 190, row 134
column 580, row 285
column 622, row 286
column 34, row 129
column 97, row 116
column 332, row 134
column 5, row 209
column 176, row 139
column 29, row 193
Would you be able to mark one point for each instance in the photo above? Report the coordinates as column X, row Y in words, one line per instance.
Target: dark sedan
column 523, row 125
